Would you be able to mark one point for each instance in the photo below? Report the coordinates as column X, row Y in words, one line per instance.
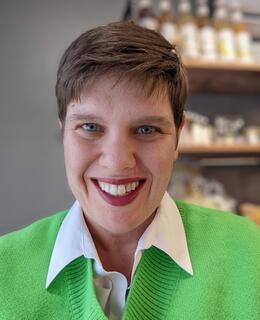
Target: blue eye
column 146, row 130
column 91, row 127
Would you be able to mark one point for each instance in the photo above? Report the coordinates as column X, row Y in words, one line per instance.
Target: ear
column 178, row 133
column 183, row 122
column 60, row 124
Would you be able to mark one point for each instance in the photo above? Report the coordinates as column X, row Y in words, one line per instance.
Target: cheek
column 78, row 155
column 160, row 159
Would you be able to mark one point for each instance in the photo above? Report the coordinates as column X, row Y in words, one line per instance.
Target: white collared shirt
column 166, row 232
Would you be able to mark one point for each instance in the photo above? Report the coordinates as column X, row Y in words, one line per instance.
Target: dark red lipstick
column 119, row 200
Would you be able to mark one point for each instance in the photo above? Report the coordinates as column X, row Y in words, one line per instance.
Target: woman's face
column 119, row 147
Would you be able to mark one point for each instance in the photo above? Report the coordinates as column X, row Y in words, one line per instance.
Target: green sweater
column 225, row 255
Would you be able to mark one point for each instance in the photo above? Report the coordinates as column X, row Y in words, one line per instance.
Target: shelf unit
column 220, row 149
column 221, row 77
column 237, row 165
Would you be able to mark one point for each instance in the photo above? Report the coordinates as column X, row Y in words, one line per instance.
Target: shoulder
column 222, row 244
column 24, row 261
column 41, row 234
column 212, row 218
column 217, row 227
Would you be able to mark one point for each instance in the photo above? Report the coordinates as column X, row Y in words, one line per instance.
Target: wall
column 33, row 36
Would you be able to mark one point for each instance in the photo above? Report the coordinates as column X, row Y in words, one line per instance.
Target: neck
column 116, row 251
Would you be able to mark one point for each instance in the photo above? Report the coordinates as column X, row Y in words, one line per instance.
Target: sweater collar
column 74, row 239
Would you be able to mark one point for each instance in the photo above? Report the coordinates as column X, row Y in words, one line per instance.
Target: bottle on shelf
column 224, row 32
column 206, row 32
column 146, row 16
column 167, row 27
column 188, row 33
column 243, row 41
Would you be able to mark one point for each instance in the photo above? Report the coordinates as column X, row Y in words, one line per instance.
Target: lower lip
column 116, row 200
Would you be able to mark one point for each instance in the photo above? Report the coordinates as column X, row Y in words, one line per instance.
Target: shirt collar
column 172, row 240
column 69, row 243
column 74, row 239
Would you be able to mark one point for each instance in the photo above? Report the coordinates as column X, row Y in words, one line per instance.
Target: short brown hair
column 126, row 50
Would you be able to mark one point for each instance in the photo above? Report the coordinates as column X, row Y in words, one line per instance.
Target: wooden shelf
column 238, row 149
column 221, row 77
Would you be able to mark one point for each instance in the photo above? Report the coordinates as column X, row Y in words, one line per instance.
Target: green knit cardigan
column 225, row 255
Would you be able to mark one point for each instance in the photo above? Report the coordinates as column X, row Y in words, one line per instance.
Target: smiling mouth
column 118, row 192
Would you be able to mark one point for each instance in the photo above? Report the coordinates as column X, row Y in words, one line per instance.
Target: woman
column 125, row 249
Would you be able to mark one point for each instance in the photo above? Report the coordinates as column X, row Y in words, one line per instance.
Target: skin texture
column 115, row 131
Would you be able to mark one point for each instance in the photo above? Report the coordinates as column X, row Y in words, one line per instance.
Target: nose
column 118, row 154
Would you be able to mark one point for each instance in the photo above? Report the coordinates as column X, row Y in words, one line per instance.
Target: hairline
column 151, row 88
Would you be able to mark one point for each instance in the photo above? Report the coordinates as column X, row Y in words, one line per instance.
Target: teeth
column 118, row 190
column 106, row 187
column 134, row 185
column 121, row 190
column 113, row 189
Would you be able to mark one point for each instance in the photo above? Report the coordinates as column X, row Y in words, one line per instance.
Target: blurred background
column 217, row 167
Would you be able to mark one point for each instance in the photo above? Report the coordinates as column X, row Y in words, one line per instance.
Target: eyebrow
column 155, row 119
column 84, row 116
column 144, row 120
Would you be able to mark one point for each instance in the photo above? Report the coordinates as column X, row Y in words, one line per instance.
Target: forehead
column 113, row 95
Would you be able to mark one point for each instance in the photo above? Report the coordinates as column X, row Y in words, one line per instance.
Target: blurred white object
column 189, row 185
column 253, row 135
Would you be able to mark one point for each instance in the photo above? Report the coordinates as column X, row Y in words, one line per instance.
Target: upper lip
column 119, row 181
